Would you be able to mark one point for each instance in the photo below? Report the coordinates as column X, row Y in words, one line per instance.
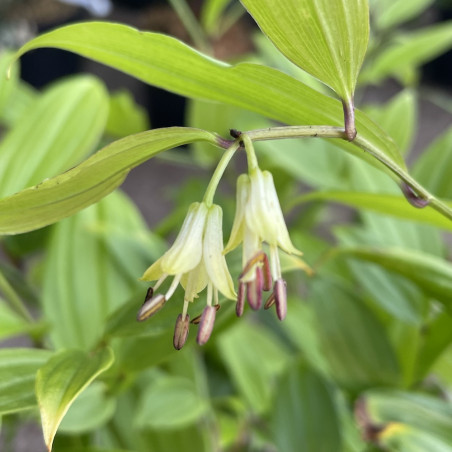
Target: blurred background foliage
column 363, row 361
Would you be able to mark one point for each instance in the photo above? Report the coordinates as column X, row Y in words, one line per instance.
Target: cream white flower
column 196, row 261
column 259, row 219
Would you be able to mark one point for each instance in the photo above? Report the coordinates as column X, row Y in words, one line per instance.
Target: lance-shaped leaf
column 166, row 62
column 393, row 205
column 61, row 380
column 304, row 415
column 18, row 367
column 398, row 411
column 60, row 128
column 90, row 181
column 432, row 274
column 327, row 38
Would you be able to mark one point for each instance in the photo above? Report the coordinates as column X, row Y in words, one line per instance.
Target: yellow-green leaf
column 327, row 38
column 87, row 183
column 59, row 129
column 61, row 380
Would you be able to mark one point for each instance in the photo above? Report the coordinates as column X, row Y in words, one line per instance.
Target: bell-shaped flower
column 259, row 219
column 196, row 261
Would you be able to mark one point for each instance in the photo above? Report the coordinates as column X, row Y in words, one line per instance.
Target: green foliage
column 363, row 359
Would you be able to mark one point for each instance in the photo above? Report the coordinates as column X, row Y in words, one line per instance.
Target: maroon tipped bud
column 239, row 307
column 181, row 331
column 150, row 307
column 254, row 290
column 267, row 274
column 281, row 298
column 206, row 324
column 270, row 301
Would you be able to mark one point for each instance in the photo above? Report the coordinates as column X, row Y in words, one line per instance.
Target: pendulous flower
column 259, row 219
column 196, row 261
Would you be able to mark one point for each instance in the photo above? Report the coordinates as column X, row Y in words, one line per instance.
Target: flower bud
column 206, row 324
column 150, row 307
column 181, row 331
column 254, row 290
column 239, row 307
column 280, row 292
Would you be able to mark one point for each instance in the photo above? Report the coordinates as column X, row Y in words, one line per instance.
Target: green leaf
column 398, row 118
column 436, row 337
column 17, row 104
column 352, row 339
column 410, row 49
column 434, row 165
column 11, row 324
column 91, row 269
column 125, row 117
column 61, row 127
column 304, row 415
column 92, row 409
column 433, row 275
column 87, row 183
column 254, row 357
column 61, row 380
column 326, row 38
column 393, row 205
column 165, row 62
column 423, row 412
column 7, row 86
column 211, row 14
column 170, row 403
column 18, row 367
column 390, row 13
column 403, row 438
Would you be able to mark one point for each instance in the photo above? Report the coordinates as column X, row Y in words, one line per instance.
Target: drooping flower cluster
column 259, row 219
column 196, row 259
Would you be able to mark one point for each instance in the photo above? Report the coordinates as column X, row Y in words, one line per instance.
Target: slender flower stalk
column 195, row 261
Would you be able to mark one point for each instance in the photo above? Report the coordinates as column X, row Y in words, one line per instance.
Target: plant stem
column 250, row 152
column 191, row 24
column 276, row 133
column 14, row 299
column 219, row 171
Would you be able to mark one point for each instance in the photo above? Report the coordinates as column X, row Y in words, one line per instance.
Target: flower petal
column 194, row 281
column 154, row 272
column 275, row 216
column 186, row 251
column 213, row 256
column 258, row 216
column 243, row 190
